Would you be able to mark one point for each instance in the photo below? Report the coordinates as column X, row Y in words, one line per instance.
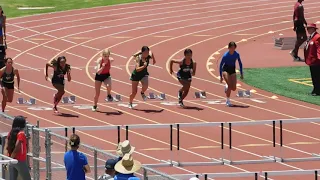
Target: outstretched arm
column 171, row 64
column 153, row 58
column 240, row 66
column 194, row 68
column 16, row 72
column 69, row 72
column 49, row 64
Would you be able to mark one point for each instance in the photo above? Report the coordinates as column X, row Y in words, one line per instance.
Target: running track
column 168, row 27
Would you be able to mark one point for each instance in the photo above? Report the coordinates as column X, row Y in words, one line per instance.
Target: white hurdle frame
column 223, row 125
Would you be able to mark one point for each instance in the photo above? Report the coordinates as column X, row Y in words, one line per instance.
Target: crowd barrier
column 49, row 165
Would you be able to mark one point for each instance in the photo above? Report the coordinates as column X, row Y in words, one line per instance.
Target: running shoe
column 144, row 97
column 181, row 104
column 94, row 108
column 130, row 105
column 228, row 103
column 295, row 57
column 55, row 109
column 109, row 98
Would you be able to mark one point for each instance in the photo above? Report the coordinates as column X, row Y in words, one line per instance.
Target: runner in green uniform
column 140, row 73
column 185, row 73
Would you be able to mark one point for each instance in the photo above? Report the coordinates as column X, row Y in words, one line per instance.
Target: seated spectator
column 124, row 148
column 109, row 171
column 76, row 162
column 126, row 168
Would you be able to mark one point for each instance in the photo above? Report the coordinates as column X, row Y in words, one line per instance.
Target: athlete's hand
column 171, row 71
column 221, row 79
column 46, row 77
column 154, row 62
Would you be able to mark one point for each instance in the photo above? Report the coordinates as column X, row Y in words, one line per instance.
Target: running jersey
column 296, row 12
column 58, row 74
column 8, row 78
column 185, row 71
column 230, row 60
column 106, row 69
column 144, row 72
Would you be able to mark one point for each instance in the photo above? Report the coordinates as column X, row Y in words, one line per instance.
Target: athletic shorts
column 229, row 69
column 101, row 77
column 7, row 85
column 300, row 29
column 1, row 32
column 138, row 77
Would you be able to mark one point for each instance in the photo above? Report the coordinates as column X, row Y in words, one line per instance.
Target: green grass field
column 292, row 82
column 10, row 7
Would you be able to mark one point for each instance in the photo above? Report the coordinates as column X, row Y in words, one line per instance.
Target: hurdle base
column 258, row 161
column 285, row 160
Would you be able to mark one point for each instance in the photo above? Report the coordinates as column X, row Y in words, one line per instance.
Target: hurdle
column 286, row 43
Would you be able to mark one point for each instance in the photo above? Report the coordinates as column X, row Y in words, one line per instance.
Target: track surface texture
column 168, row 27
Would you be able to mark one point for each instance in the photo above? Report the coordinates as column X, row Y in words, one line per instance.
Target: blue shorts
column 1, row 33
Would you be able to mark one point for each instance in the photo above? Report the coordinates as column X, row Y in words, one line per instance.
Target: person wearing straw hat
column 76, row 163
column 109, row 171
column 126, row 167
column 124, row 148
column 312, row 57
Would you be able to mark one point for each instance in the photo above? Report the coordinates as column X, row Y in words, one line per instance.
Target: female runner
column 7, row 74
column 60, row 68
column 140, row 73
column 103, row 75
column 2, row 26
column 228, row 70
column 185, row 73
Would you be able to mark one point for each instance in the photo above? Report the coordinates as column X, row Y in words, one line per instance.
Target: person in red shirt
column 312, row 57
column 299, row 21
column 103, row 75
column 16, row 148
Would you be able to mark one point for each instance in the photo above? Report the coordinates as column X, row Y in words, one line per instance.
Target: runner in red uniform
column 299, row 21
column 103, row 75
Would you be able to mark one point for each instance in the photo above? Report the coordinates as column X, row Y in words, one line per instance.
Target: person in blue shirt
column 76, row 163
column 187, row 70
column 228, row 70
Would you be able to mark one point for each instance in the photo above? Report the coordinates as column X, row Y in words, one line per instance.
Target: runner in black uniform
column 140, row 73
column 7, row 74
column 185, row 73
column 60, row 69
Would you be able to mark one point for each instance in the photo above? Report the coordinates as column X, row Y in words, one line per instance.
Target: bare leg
column 97, row 86
column 133, row 91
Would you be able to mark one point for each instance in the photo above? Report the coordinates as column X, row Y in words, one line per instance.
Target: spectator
column 76, row 162
column 2, row 26
column 16, row 148
column 312, row 57
column 109, row 171
column 126, row 168
column 124, row 148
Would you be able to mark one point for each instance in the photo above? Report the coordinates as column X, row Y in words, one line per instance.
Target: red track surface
column 168, row 27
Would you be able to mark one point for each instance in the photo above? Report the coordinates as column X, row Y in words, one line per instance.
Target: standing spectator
column 126, row 168
column 2, row 26
column 109, row 171
column 298, row 26
column 124, row 148
column 76, row 162
column 312, row 57
column 16, row 148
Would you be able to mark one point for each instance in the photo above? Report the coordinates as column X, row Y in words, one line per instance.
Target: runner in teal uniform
column 185, row 73
column 140, row 73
